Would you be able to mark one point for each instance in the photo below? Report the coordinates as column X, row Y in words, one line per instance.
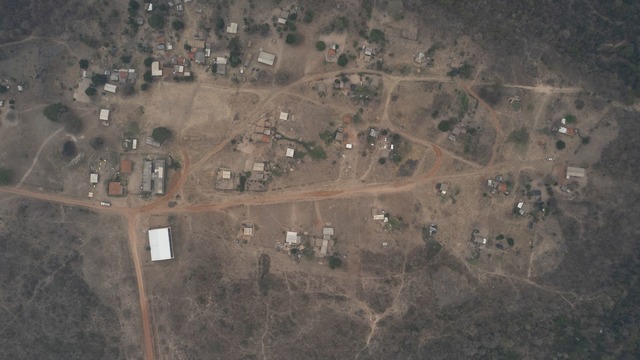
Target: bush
column 444, row 125
column 6, row 176
column 376, row 36
column 156, row 21
column 335, row 262
column 161, row 134
column 308, row 16
column 53, row 111
column 510, row 241
column 125, row 59
column 91, row 91
column 99, row 79
column 560, row 145
column 343, row 60
column 292, row 39
column 148, row 61
column 147, row 76
column 320, row 45
column 382, row 161
column 465, row 71
column 84, row 64
column 570, row 118
column 177, row 25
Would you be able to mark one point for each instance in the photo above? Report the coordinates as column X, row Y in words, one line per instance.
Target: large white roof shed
column 292, row 238
column 266, row 58
column 160, row 244
column 575, row 172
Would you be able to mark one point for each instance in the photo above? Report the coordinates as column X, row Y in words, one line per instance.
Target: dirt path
column 35, row 159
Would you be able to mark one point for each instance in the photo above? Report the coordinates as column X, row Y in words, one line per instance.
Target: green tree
column 177, row 25
column 90, row 91
column 3, row 89
column 235, row 52
column 376, row 36
column 161, row 134
column 320, row 45
column 144, row 86
column 560, row 145
column 6, row 176
column 147, row 76
column 53, row 111
column 343, row 60
column 308, row 16
column 99, row 79
column 292, row 39
column 444, row 125
column 125, row 59
column 148, row 61
column 84, row 64
column 156, row 21
column 335, row 262
column 510, row 241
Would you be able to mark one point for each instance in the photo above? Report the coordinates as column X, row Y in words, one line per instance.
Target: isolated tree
column 99, row 79
column 292, row 39
column 156, row 21
column 320, row 45
column 343, row 60
column 376, row 36
column 148, row 61
column 177, row 25
column 90, row 91
column 147, row 76
column 3, row 89
column 161, row 134
column 444, row 125
column 84, row 64
column 335, row 262
column 560, row 145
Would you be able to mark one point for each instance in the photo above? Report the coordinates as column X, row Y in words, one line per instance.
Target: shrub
column 292, row 39
column 520, row 136
column 382, row 161
column 6, row 176
column 320, row 45
column 99, row 79
column 308, row 16
column 53, row 111
column 343, row 60
column 147, row 76
column 335, row 262
column 444, row 125
column 148, row 61
column 560, row 145
column 161, row 134
column 177, row 25
column 376, row 36
column 465, row 71
column 84, row 64
column 91, row 91
column 156, row 21
column 570, row 118
column 510, row 241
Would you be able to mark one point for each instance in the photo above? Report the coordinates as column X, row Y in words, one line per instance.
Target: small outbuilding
column 93, row 179
column 160, row 243
column 104, row 114
column 575, row 172
column 232, row 28
column 290, row 152
column 266, row 58
column 110, row 88
column 292, row 238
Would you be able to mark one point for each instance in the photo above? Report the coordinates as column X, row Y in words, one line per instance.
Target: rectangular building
column 160, row 243
column 155, row 69
column 147, row 169
column 110, row 88
column 158, row 176
column 266, row 58
column 575, row 172
column 104, row 114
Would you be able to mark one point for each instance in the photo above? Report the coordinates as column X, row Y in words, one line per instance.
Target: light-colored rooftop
column 104, row 114
column 266, row 58
column 292, row 238
column 290, row 152
column 160, row 244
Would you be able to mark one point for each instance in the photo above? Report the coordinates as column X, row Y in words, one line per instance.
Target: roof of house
column 155, row 69
column 104, row 114
column 93, row 178
column 126, row 166
column 115, row 188
column 160, row 244
column 232, row 28
column 110, row 88
column 575, row 172
column 266, row 58
column 258, row 166
column 327, row 231
column 292, row 238
column 290, row 152
column 284, row 116
column 247, row 231
column 226, row 174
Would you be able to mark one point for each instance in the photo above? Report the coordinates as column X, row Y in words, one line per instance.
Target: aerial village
column 272, row 145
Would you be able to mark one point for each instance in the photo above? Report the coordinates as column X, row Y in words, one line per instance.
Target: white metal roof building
column 155, row 69
column 232, row 28
column 104, row 114
column 575, row 172
column 284, row 116
column 266, row 58
column 290, row 152
column 161, row 244
column 110, row 88
column 292, row 238
column 93, row 179
column 258, row 167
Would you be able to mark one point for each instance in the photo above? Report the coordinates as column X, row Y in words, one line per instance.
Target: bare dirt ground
column 249, row 297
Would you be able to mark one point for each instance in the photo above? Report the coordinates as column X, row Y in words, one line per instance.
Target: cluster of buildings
column 563, row 128
column 322, row 245
column 498, row 184
column 153, row 176
column 458, row 130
